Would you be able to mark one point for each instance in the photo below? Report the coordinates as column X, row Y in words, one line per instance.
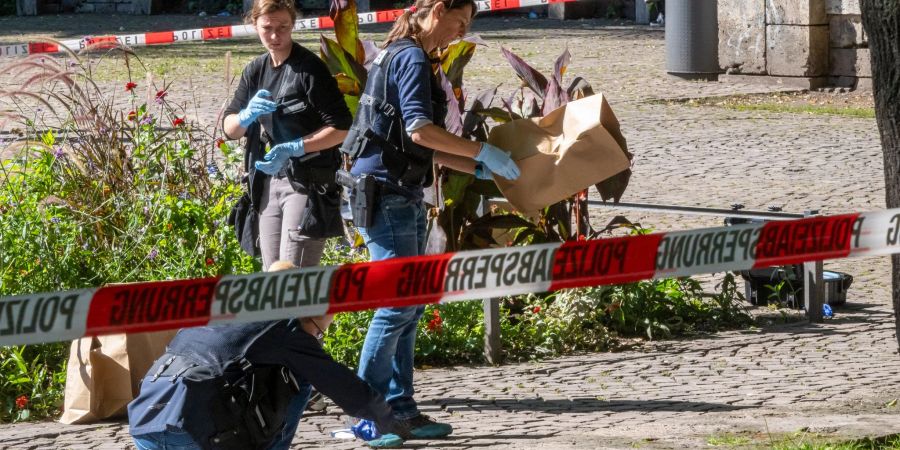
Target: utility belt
column 408, row 163
column 365, row 192
column 302, row 176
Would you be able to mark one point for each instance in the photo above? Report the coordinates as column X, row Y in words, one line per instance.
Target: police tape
column 313, row 291
column 234, row 31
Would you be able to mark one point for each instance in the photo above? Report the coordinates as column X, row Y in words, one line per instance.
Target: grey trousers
column 279, row 216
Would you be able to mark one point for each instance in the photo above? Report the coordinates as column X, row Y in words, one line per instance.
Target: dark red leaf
column 535, row 81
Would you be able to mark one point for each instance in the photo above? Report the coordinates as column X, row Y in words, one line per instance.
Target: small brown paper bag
column 566, row 151
column 105, row 372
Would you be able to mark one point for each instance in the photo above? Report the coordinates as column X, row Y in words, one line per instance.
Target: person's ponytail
column 407, row 25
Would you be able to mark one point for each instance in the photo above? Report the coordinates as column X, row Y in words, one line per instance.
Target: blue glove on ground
column 259, row 105
column 482, row 172
column 280, row 154
column 497, row 161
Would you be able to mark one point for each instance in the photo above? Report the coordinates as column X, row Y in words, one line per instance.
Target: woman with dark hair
column 397, row 136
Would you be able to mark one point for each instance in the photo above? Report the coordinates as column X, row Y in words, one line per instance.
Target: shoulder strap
column 389, row 53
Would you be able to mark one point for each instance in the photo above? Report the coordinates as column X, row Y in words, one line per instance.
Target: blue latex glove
column 259, row 105
column 365, row 430
column 482, row 172
column 497, row 161
column 280, row 154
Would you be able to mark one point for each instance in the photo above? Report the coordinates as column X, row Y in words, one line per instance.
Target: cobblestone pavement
column 837, row 379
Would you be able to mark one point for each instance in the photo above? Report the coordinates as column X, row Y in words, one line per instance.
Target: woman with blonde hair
column 396, row 137
column 287, row 100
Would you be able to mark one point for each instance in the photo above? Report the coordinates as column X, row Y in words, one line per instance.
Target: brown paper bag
column 105, row 372
column 566, row 151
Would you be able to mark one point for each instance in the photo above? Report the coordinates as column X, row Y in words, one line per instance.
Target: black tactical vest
column 379, row 122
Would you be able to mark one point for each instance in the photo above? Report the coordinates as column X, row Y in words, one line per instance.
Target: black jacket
column 177, row 401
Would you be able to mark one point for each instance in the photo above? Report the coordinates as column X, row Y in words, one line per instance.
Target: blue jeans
column 292, row 420
column 171, row 439
column 386, row 363
column 177, row 439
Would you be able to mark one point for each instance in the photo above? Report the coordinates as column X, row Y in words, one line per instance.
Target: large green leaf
column 347, row 85
column 499, row 114
column 340, row 61
column 346, row 28
column 454, row 60
column 454, row 188
column 352, row 102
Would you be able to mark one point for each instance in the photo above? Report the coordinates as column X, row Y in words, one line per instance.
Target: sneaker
column 367, row 431
column 389, row 440
column 316, row 402
column 424, row 427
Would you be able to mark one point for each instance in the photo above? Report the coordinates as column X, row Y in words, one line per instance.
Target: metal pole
column 492, row 345
column 813, row 286
column 698, row 211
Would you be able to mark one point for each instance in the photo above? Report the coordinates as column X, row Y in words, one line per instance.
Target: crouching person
column 235, row 387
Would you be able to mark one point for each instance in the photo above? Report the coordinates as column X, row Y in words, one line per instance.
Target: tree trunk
column 881, row 20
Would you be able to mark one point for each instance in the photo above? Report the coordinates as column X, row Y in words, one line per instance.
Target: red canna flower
column 178, row 121
column 21, row 402
column 220, row 142
column 161, row 94
column 210, row 261
column 130, row 86
column 132, row 115
column 536, row 309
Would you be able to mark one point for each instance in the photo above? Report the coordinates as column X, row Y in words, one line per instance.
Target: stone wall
column 114, row 6
column 806, row 42
column 34, row 7
column 848, row 44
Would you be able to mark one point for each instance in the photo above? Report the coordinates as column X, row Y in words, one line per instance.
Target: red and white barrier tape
column 59, row 316
column 233, row 31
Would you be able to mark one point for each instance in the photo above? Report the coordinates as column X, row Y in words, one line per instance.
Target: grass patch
column 861, row 113
column 808, row 441
column 801, row 440
column 854, row 105
column 729, row 440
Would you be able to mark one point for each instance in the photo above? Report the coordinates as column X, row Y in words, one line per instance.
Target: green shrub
column 107, row 195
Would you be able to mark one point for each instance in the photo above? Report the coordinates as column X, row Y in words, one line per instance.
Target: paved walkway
column 837, row 379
